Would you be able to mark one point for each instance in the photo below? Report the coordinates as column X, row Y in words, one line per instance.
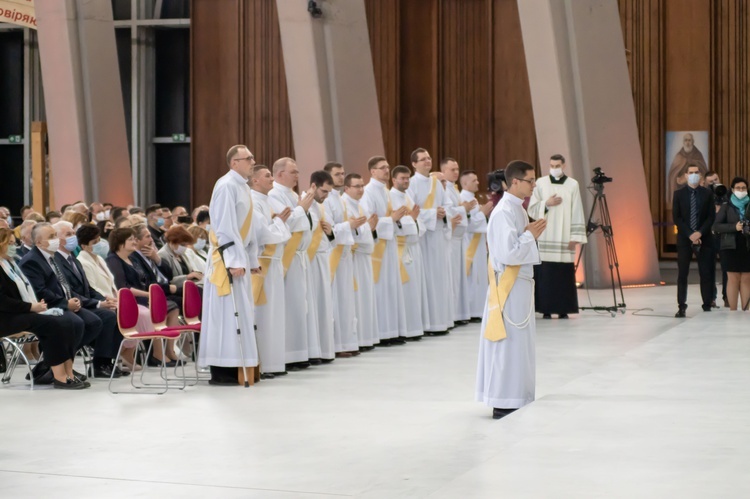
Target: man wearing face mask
column 155, row 224
column 693, row 213
column 557, row 198
column 108, row 342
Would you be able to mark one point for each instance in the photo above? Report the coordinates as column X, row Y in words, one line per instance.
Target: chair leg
column 17, row 355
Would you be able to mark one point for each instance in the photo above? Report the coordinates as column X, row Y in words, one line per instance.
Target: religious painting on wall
column 682, row 148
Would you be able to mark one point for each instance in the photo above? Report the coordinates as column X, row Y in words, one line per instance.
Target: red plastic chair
column 127, row 319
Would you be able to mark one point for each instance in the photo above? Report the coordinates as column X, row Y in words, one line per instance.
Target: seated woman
column 196, row 253
column 173, row 253
column 20, row 311
column 122, row 245
column 734, row 247
column 94, row 250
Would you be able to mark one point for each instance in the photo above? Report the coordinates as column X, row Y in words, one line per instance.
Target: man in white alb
column 231, row 214
column 301, row 333
column 342, row 265
column 506, row 375
column 268, row 286
column 428, row 193
column 408, row 236
column 475, row 242
column 388, row 270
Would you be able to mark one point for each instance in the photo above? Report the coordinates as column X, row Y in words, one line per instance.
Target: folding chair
column 16, row 342
column 127, row 318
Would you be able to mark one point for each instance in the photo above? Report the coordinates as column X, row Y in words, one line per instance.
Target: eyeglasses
column 251, row 157
column 426, row 158
column 531, row 181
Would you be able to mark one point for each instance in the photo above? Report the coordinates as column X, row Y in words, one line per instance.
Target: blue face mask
column 12, row 251
column 160, row 222
column 71, row 243
column 101, row 248
column 694, row 178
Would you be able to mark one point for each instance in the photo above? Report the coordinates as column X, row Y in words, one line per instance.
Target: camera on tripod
column 599, row 177
column 495, row 181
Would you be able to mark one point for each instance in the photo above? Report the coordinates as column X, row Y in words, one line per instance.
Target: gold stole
column 317, row 236
column 258, row 280
column 219, row 277
column 402, row 268
column 355, row 246
column 338, row 251
column 471, row 251
column 430, row 201
column 495, row 328
column 379, row 250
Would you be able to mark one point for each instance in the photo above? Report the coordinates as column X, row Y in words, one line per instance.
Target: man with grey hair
column 108, row 342
column 26, row 242
column 233, row 250
column 302, row 340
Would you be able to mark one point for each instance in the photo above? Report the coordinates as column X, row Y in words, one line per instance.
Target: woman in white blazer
column 93, row 251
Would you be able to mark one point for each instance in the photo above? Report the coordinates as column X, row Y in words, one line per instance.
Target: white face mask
column 740, row 194
column 180, row 250
column 556, row 172
column 694, row 178
column 101, row 216
column 200, row 244
column 208, row 227
column 54, row 245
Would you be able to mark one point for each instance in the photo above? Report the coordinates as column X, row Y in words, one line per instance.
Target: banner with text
column 20, row 12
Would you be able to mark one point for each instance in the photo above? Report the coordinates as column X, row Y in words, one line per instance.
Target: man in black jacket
column 693, row 213
column 44, row 275
column 108, row 342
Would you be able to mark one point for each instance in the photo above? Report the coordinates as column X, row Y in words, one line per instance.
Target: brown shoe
column 343, row 355
column 354, row 353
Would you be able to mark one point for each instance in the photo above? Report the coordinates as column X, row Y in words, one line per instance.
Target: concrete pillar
column 331, row 85
column 88, row 145
column 583, row 109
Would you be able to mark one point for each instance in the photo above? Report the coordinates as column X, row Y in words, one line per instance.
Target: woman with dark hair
column 178, row 239
column 21, row 311
column 731, row 223
column 122, row 244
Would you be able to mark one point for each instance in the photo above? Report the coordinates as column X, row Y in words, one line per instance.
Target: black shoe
column 154, row 362
column 86, row 384
column 475, row 319
column 106, row 371
column 294, row 367
column 79, row 375
column 304, row 365
column 223, row 382
column 69, row 384
column 714, row 305
column 438, row 333
column 366, row 349
column 385, row 343
column 680, row 313
column 327, row 361
column 562, row 316
column 398, row 341
column 279, row 373
column 706, row 308
column 547, row 316
column 501, row 413
column 45, row 378
column 267, row 376
column 315, row 362
column 119, row 372
column 460, row 323
column 413, row 338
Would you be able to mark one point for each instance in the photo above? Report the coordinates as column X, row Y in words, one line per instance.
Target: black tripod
column 605, row 224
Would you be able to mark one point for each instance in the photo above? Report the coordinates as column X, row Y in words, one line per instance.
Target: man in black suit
column 693, row 213
column 45, row 276
column 108, row 342
column 155, row 224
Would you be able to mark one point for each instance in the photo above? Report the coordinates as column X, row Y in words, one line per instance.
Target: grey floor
column 640, row 405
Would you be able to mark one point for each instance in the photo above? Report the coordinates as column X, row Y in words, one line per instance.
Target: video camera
column 599, row 177
column 495, row 181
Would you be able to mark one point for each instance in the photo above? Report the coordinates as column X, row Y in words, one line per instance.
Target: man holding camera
column 693, row 213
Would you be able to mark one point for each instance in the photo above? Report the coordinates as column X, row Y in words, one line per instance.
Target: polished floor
column 641, row 405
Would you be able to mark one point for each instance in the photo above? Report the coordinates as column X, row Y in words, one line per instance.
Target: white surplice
column 344, row 318
column 459, row 280
column 477, row 271
column 415, row 291
column 435, row 256
column 506, row 375
column 389, row 294
column 364, row 294
column 219, row 343
column 270, row 317
column 320, row 286
column 299, row 322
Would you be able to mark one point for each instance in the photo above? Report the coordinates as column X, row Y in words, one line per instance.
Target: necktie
column 72, row 263
column 693, row 210
column 61, row 278
column 160, row 278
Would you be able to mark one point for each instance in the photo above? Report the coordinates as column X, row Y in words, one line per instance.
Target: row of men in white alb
column 347, row 266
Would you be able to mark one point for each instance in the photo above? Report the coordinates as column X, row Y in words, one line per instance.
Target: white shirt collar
column 468, row 193
column 421, row 175
column 62, row 254
column 237, row 177
column 376, row 181
column 280, row 187
column 513, row 199
column 347, row 197
column 259, row 194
